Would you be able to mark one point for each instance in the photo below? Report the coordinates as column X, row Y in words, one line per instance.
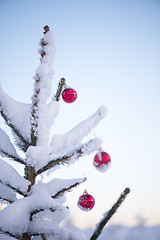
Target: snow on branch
column 4, row 235
column 16, row 116
column 12, row 157
column 5, row 144
column 41, row 118
column 22, row 215
column 64, row 190
column 84, row 149
column 11, row 178
column 13, row 188
column 71, row 139
column 57, row 187
column 7, row 149
column 7, row 194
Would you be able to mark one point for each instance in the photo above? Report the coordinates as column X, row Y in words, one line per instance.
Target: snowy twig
column 13, row 188
column 43, row 236
column 109, row 214
column 8, row 233
column 72, row 138
column 17, row 159
column 60, row 88
column 86, row 148
column 53, row 163
column 62, row 160
column 68, row 189
column 41, row 85
column 5, row 199
column 39, row 210
column 25, row 143
column 34, row 118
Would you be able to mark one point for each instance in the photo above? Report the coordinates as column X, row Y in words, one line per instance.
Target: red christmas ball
column 86, row 202
column 102, row 161
column 69, row 95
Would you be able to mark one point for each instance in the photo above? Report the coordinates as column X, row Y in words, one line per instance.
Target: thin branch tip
column 127, row 190
column 109, row 214
column 46, row 29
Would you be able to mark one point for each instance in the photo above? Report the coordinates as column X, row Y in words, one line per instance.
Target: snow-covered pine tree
column 35, row 210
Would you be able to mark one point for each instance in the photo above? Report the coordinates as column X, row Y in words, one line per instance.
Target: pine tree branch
column 26, row 172
column 34, row 120
column 25, row 143
column 86, row 148
column 39, row 210
column 68, row 189
column 17, row 159
column 13, row 188
column 53, row 163
column 106, row 218
column 43, row 236
column 7, row 200
column 35, row 97
column 58, row 161
column 60, row 89
column 8, row 233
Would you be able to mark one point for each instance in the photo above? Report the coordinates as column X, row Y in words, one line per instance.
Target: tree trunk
column 26, row 236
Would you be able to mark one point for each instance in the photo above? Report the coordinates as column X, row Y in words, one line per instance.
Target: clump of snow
column 5, row 237
column 102, row 111
column 9, row 176
column 6, row 145
column 45, row 221
column 17, row 113
column 57, row 184
column 45, row 113
column 50, row 212
column 65, row 233
column 40, row 156
column 36, row 155
column 7, row 193
column 91, row 146
column 49, row 38
column 71, row 139
column 15, row 218
column 49, row 48
column 47, row 117
column 86, row 149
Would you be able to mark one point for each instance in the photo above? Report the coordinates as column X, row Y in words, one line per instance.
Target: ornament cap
column 46, row 29
column 101, row 149
column 85, row 192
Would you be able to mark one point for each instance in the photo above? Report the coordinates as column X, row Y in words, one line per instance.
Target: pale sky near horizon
column 109, row 51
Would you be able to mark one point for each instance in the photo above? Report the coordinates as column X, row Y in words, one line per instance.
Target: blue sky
column 109, row 51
